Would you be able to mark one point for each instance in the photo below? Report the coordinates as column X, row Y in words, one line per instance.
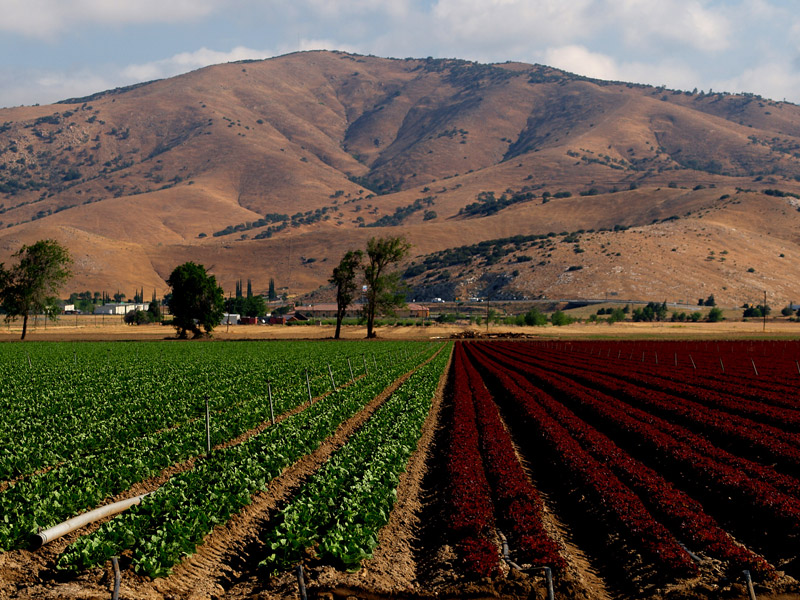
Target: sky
column 56, row 49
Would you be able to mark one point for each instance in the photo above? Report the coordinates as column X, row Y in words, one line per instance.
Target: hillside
column 274, row 168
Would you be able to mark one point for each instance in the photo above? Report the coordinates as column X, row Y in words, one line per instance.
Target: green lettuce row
column 345, row 504
column 174, row 519
column 49, row 498
column 112, row 401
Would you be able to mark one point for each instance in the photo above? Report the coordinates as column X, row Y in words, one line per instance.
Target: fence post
column 271, row 409
column 308, row 386
column 208, row 429
column 330, row 372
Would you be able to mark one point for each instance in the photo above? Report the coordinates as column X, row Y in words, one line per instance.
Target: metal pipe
column 271, row 406
column 548, row 573
column 749, row 581
column 208, row 429
column 301, row 584
column 117, row 578
column 330, row 372
column 689, row 552
column 48, row 535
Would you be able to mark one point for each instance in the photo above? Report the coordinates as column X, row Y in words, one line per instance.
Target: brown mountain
column 511, row 179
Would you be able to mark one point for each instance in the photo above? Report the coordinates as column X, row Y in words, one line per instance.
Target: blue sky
column 55, row 49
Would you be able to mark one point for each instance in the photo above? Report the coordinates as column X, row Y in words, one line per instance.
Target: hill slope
column 274, row 168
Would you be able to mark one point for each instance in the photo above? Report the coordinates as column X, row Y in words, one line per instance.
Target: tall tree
column 196, row 300
column 31, row 286
column 249, row 288
column 271, row 294
column 344, row 278
column 384, row 289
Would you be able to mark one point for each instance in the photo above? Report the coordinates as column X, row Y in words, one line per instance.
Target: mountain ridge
column 309, row 150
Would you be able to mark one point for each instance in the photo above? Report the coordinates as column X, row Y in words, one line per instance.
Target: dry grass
column 87, row 328
column 327, row 116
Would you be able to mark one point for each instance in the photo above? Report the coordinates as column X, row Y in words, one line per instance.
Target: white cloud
column 582, row 61
column 189, row 61
column 25, row 87
column 774, row 80
column 643, row 23
column 45, row 18
column 498, row 22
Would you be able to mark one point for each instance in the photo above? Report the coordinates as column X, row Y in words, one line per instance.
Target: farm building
column 120, row 308
column 328, row 311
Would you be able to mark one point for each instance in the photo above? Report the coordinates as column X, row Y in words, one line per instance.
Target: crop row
column 775, row 407
column 715, row 423
column 340, row 510
column 170, row 522
column 754, row 370
column 681, row 513
column 613, row 501
column 730, row 484
column 472, row 520
column 83, row 399
column 518, row 505
column 83, row 482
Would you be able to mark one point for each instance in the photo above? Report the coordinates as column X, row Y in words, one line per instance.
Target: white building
column 120, row 308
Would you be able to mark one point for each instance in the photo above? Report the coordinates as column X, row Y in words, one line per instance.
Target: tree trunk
column 24, row 325
column 338, row 325
column 370, row 325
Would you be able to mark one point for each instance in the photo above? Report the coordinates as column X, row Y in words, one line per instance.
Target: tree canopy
column 344, row 278
column 31, row 286
column 385, row 292
column 196, row 301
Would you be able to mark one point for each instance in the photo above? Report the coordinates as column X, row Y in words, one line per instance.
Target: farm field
column 630, row 469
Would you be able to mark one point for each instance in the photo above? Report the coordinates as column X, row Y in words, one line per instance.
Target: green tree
column 384, row 289
column 271, row 294
column 560, row 318
column 715, row 315
column 618, row 314
column 196, row 301
column 31, row 286
column 154, row 310
column 534, row 317
column 344, row 278
column 254, row 306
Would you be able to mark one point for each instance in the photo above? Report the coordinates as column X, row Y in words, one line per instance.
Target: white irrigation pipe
column 48, row 535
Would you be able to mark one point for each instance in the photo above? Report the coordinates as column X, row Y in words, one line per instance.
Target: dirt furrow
column 393, row 568
column 228, row 558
